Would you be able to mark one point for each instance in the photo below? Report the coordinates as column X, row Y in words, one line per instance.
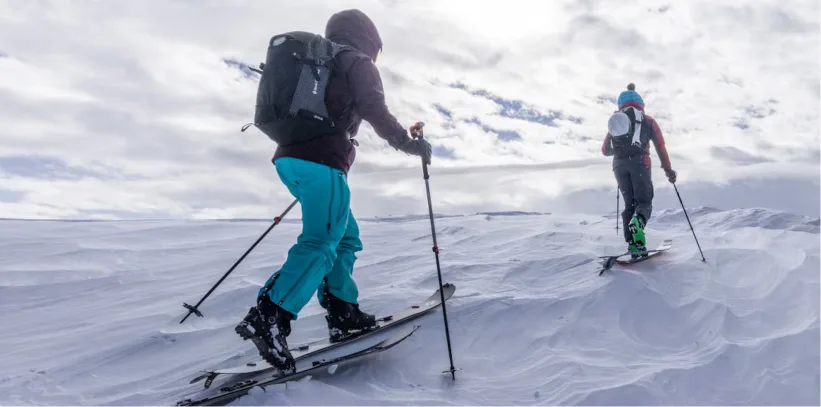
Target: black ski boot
column 267, row 325
column 345, row 319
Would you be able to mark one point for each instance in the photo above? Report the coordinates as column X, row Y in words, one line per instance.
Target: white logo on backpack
column 316, row 83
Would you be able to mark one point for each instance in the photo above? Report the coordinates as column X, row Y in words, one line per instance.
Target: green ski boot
column 639, row 245
column 634, row 251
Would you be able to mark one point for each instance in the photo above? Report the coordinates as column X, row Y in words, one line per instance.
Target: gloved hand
column 419, row 147
column 671, row 175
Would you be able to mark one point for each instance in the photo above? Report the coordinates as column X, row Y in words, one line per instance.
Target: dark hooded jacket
column 354, row 94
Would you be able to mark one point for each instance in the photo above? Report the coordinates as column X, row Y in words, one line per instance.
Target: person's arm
column 661, row 150
column 658, row 142
column 369, row 98
column 607, row 147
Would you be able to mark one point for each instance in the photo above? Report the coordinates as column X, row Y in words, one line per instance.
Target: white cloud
column 136, row 101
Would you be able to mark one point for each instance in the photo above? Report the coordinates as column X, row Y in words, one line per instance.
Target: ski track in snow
column 90, row 311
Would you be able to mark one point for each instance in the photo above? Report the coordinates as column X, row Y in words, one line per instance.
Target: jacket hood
column 354, row 28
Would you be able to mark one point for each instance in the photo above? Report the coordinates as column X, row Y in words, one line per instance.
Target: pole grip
column 417, row 132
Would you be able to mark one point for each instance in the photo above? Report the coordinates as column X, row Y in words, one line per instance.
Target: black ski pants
column 636, row 186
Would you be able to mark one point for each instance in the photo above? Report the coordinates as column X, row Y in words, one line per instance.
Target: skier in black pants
column 628, row 141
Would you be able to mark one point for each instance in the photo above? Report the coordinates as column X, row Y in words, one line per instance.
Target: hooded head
column 630, row 98
column 354, row 28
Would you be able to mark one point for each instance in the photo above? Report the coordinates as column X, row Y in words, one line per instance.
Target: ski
column 322, row 347
column 303, row 368
column 609, row 261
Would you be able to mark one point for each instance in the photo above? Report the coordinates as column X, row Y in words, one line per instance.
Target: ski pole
column 195, row 308
column 688, row 222
column 416, row 132
column 617, row 211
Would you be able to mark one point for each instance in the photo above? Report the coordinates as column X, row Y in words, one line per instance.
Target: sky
column 133, row 110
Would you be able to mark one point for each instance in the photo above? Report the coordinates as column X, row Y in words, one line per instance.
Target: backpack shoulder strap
column 340, row 48
column 636, row 117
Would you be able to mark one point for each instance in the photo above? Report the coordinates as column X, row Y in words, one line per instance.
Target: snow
column 90, row 311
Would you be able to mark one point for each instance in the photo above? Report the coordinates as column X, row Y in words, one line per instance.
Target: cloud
column 516, row 109
column 444, row 152
column 503, row 135
column 11, row 196
column 134, row 109
column 244, row 68
column 443, row 111
column 735, row 155
column 43, row 167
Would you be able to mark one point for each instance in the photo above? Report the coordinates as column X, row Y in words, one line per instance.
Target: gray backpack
column 290, row 106
column 627, row 135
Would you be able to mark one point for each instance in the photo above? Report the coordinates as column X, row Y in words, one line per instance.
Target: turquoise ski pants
column 325, row 250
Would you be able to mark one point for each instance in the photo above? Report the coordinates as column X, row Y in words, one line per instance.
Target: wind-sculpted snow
column 90, row 311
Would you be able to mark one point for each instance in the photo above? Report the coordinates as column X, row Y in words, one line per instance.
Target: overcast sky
column 132, row 109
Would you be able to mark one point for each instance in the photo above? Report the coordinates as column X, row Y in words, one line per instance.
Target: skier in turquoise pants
column 325, row 251
column 315, row 172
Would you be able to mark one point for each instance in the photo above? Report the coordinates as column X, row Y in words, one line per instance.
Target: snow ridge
column 89, row 311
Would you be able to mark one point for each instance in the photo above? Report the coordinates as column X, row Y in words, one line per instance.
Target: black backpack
column 627, row 135
column 290, row 104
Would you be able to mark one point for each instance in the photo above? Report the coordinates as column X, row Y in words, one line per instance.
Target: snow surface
column 90, row 311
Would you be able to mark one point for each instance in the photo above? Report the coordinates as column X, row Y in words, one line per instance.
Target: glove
column 419, row 147
column 671, row 175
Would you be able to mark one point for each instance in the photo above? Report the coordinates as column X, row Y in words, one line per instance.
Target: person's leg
column 338, row 293
column 626, row 188
column 323, row 196
column 643, row 195
column 339, row 281
column 643, row 192
column 325, row 201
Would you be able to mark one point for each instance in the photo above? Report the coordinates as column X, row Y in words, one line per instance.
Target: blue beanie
column 630, row 95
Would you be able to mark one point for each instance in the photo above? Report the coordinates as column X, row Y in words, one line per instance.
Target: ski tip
column 202, row 376
column 403, row 333
column 198, row 378
column 399, row 336
column 446, row 289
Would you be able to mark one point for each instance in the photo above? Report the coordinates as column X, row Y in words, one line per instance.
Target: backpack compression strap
column 637, row 129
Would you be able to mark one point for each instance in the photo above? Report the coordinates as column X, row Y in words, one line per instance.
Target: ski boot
column 344, row 319
column 267, row 325
column 638, row 247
